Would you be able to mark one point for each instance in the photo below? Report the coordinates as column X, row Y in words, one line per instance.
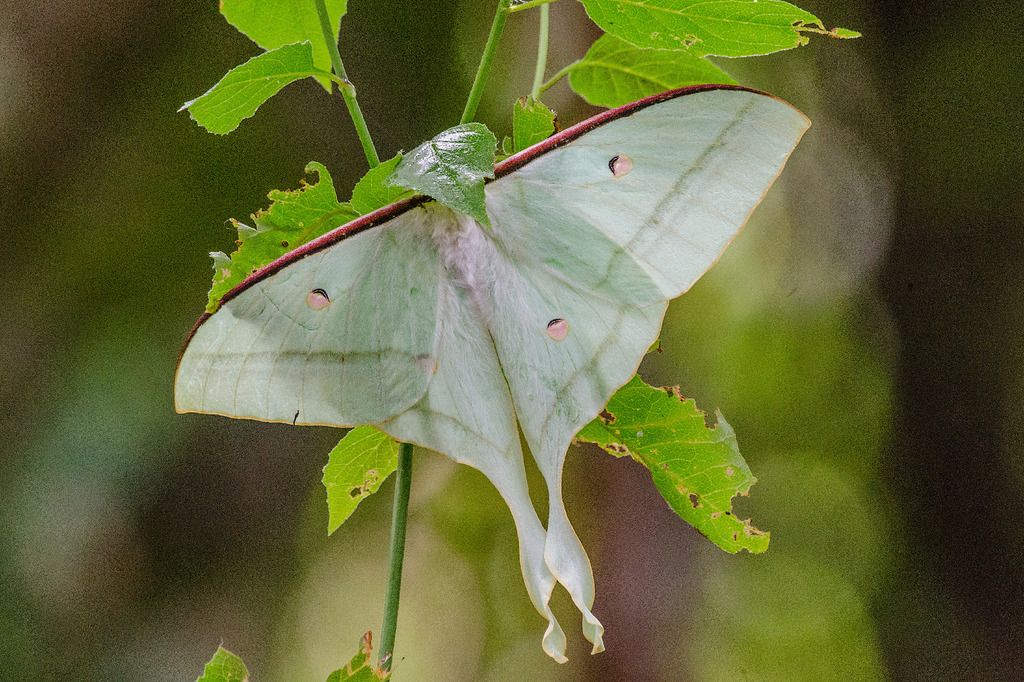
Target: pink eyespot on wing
column 318, row 299
column 558, row 329
column 620, row 164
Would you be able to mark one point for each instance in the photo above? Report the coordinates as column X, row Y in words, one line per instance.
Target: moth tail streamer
column 568, row 561
column 511, row 484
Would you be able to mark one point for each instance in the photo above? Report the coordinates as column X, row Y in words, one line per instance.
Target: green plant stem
column 403, row 474
column 399, row 516
column 558, row 76
column 542, row 51
column 482, row 71
column 348, row 91
column 523, row 6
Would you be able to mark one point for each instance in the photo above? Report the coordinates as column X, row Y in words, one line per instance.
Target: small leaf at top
column 355, row 469
column 615, row 72
column 293, row 218
column 244, row 88
column 697, row 469
column 532, row 122
column 451, row 168
column 360, row 669
column 273, row 23
column 374, row 191
column 726, row 28
column 224, row 667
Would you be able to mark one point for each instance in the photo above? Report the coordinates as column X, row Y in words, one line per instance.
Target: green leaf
column 224, row 667
column 844, row 33
column 244, row 88
column 532, row 122
column 355, row 469
column 615, row 72
column 375, row 191
column 359, row 669
column 451, row 168
column 727, row 28
column 273, row 23
column 294, row 218
column 698, row 470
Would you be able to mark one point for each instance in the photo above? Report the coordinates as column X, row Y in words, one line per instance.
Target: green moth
column 454, row 336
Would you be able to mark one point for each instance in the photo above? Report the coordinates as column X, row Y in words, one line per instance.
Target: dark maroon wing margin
column 509, row 165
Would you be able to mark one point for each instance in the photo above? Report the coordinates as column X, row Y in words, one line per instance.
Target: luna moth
column 455, row 336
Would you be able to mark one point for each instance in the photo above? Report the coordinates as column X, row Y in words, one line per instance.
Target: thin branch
column 543, row 33
column 558, row 76
column 348, row 91
column 399, row 518
column 477, row 91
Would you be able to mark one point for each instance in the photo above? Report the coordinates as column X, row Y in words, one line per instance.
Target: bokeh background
column 864, row 335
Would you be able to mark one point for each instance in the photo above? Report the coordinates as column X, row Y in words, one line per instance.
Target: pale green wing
column 341, row 336
column 560, row 385
column 690, row 169
column 592, row 239
column 467, row 414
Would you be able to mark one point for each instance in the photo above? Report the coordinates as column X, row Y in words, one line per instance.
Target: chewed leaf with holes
column 360, row 668
column 419, row 320
column 294, row 218
column 224, row 667
column 726, row 28
column 356, row 468
column 697, row 469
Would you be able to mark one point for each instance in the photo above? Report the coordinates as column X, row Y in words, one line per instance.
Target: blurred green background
column 863, row 336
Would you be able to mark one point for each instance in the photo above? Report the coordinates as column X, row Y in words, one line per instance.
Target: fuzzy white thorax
column 465, row 255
